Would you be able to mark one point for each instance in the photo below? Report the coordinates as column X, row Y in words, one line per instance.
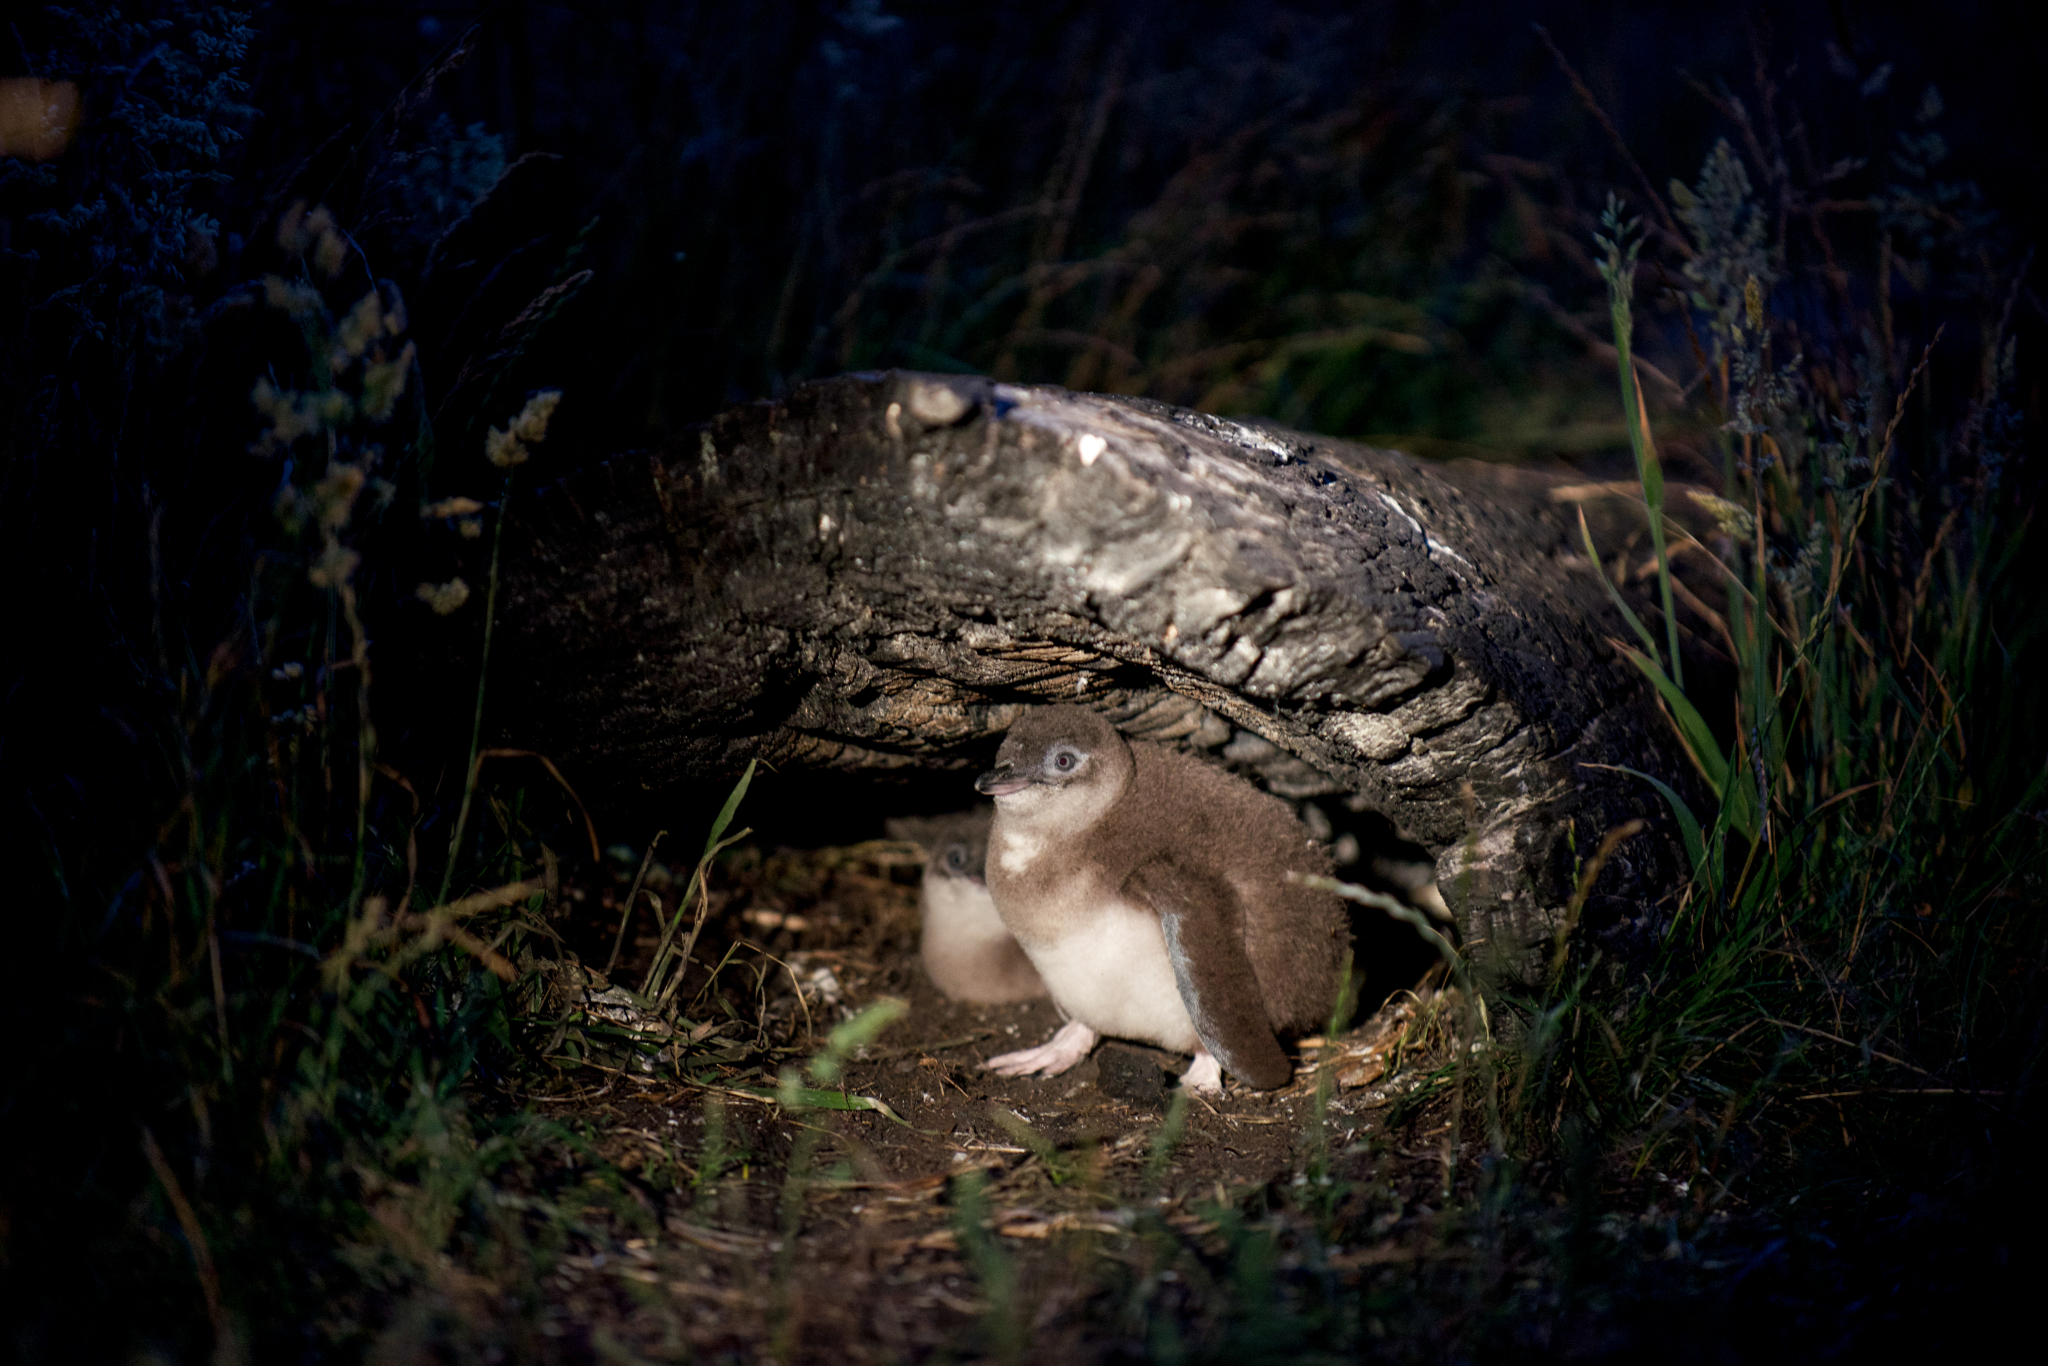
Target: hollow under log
column 883, row 569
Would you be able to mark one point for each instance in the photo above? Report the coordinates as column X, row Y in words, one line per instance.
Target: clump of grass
column 994, row 1270
column 309, row 1032
column 1869, row 872
column 345, row 1017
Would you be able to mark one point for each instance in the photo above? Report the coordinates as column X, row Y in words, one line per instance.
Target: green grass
column 1873, row 865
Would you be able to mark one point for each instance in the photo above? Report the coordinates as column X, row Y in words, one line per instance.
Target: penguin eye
column 956, row 857
column 1065, row 760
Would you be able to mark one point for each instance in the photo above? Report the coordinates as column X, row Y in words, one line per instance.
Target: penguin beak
column 1000, row 782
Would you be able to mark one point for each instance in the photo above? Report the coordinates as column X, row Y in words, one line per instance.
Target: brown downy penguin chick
column 967, row 951
column 1151, row 892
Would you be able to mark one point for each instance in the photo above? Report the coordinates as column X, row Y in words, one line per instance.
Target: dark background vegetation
column 1368, row 220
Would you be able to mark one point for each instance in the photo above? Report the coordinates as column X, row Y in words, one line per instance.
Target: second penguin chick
column 1151, row 892
column 967, row 951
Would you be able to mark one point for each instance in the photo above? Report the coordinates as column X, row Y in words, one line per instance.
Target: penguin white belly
column 959, row 910
column 1109, row 970
column 964, row 939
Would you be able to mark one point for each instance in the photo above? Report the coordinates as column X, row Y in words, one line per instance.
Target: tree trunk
column 884, row 569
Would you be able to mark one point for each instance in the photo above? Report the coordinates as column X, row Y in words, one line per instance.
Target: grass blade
column 1614, row 594
column 1692, row 728
column 1688, row 824
column 729, row 810
column 813, row 1098
column 851, row 1035
column 1651, row 474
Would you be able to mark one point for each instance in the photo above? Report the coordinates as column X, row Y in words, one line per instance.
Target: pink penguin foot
column 1204, row 1076
column 1054, row 1056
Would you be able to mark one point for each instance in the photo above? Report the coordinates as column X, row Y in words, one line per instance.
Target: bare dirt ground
column 950, row 1214
column 974, row 1212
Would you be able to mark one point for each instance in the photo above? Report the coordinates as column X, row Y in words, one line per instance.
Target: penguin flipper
column 1205, row 942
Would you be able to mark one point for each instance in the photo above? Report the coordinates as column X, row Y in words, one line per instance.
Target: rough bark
column 883, row 569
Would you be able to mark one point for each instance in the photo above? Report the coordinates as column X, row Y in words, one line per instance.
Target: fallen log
column 882, row 569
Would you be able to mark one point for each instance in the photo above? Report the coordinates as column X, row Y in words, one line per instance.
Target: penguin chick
column 1150, row 891
column 967, row 952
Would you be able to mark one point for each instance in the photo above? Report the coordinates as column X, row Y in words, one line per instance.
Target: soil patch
column 916, row 1207
column 954, row 1206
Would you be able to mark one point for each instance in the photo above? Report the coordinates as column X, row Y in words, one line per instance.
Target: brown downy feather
column 1139, row 823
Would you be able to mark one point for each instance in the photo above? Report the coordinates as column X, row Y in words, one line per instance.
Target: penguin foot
column 1204, row 1076
column 1062, row 1051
